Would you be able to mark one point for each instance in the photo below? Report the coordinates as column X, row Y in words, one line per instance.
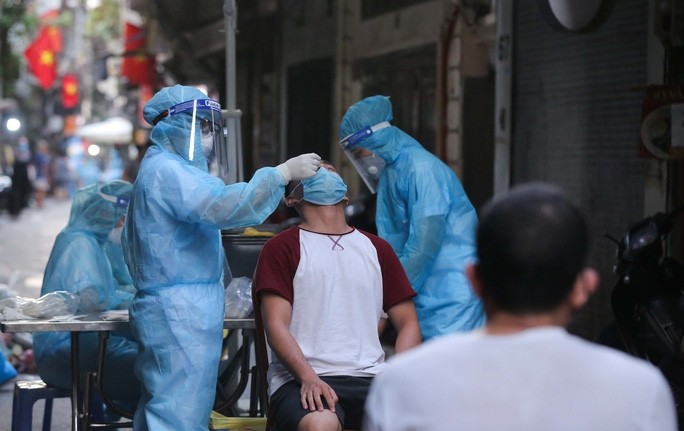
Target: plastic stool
column 26, row 393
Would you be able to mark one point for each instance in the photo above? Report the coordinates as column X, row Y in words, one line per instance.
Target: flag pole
column 232, row 114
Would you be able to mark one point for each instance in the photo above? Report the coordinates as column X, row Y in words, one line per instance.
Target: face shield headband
column 363, row 134
column 211, row 126
column 118, row 201
column 368, row 164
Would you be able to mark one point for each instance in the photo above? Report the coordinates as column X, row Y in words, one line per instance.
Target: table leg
column 75, row 419
column 99, row 381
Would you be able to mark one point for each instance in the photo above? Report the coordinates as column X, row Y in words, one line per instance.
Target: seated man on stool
column 323, row 286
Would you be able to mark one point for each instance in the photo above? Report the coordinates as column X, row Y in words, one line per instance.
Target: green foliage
column 11, row 13
column 13, row 16
column 103, row 21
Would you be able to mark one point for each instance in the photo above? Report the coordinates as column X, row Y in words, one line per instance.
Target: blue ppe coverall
column 78, row 264
column 119, row 269
column 172, row 246
column 125, row 289
column 425, row 215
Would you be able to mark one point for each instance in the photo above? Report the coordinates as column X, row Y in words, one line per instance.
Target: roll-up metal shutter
column 576, row 115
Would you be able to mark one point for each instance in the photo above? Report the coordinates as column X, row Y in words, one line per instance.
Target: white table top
column 93, row 322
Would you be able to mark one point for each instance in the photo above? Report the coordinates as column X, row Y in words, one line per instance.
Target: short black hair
column 531, row 245
column 290, row 186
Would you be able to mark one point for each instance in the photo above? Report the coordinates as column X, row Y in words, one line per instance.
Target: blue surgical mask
column 324, row 188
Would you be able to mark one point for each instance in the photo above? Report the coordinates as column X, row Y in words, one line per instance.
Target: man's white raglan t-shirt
column 538, row 379
column 338, row 286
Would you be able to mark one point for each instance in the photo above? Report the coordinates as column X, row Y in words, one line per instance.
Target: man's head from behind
column 532, row 245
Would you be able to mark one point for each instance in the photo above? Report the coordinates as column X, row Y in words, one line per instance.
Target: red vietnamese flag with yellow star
column 69, row 91
column 49, row 22
column 40, row 55
column 137, row 67
column 55, row 35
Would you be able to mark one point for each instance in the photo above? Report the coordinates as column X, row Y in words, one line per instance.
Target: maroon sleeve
column 395, row 284
column 277, row 264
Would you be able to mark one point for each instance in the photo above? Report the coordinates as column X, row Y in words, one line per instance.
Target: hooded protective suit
column 114, row 251
column 172, row 247
column 78, row 264
column 425, row 215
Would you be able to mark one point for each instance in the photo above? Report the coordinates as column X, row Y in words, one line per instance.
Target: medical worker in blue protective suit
column 422, row 211
column 78, row 264
column 173, row 249
column 114, row 250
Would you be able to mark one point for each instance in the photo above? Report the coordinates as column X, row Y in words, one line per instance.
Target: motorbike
column 648, row 299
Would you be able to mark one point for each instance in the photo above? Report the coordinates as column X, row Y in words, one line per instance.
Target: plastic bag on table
column 6, row 292
column 10, row 308
column 117, row 315
column 58, row 303
column 239, row 298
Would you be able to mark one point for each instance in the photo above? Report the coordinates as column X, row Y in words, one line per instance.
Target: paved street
column 25, row 245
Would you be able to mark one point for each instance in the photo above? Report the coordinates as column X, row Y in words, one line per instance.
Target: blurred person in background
column 172, row 246
column 62, row 175
column 21, row 179
column 132, row 167
column 88, row 171
column 78, row 264
column 422, row 211
column 41, row 163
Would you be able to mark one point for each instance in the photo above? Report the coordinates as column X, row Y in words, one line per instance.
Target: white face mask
column 207, row 141
column 115, row 235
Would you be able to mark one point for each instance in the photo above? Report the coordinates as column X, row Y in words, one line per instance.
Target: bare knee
column 320, row 421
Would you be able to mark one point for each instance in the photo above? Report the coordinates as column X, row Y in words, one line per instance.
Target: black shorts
column 286, row 406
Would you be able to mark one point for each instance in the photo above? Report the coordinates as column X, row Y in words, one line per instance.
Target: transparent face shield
column 368, row 164
column 118, row 201
column 206, row 115
column 222, row 154
column 103, row 213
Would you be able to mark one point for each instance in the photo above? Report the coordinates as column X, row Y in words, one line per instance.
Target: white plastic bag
column 53, row 304
column 58, row 303
column 239, row 298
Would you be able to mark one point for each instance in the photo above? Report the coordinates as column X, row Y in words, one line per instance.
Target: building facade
column 491, row 87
